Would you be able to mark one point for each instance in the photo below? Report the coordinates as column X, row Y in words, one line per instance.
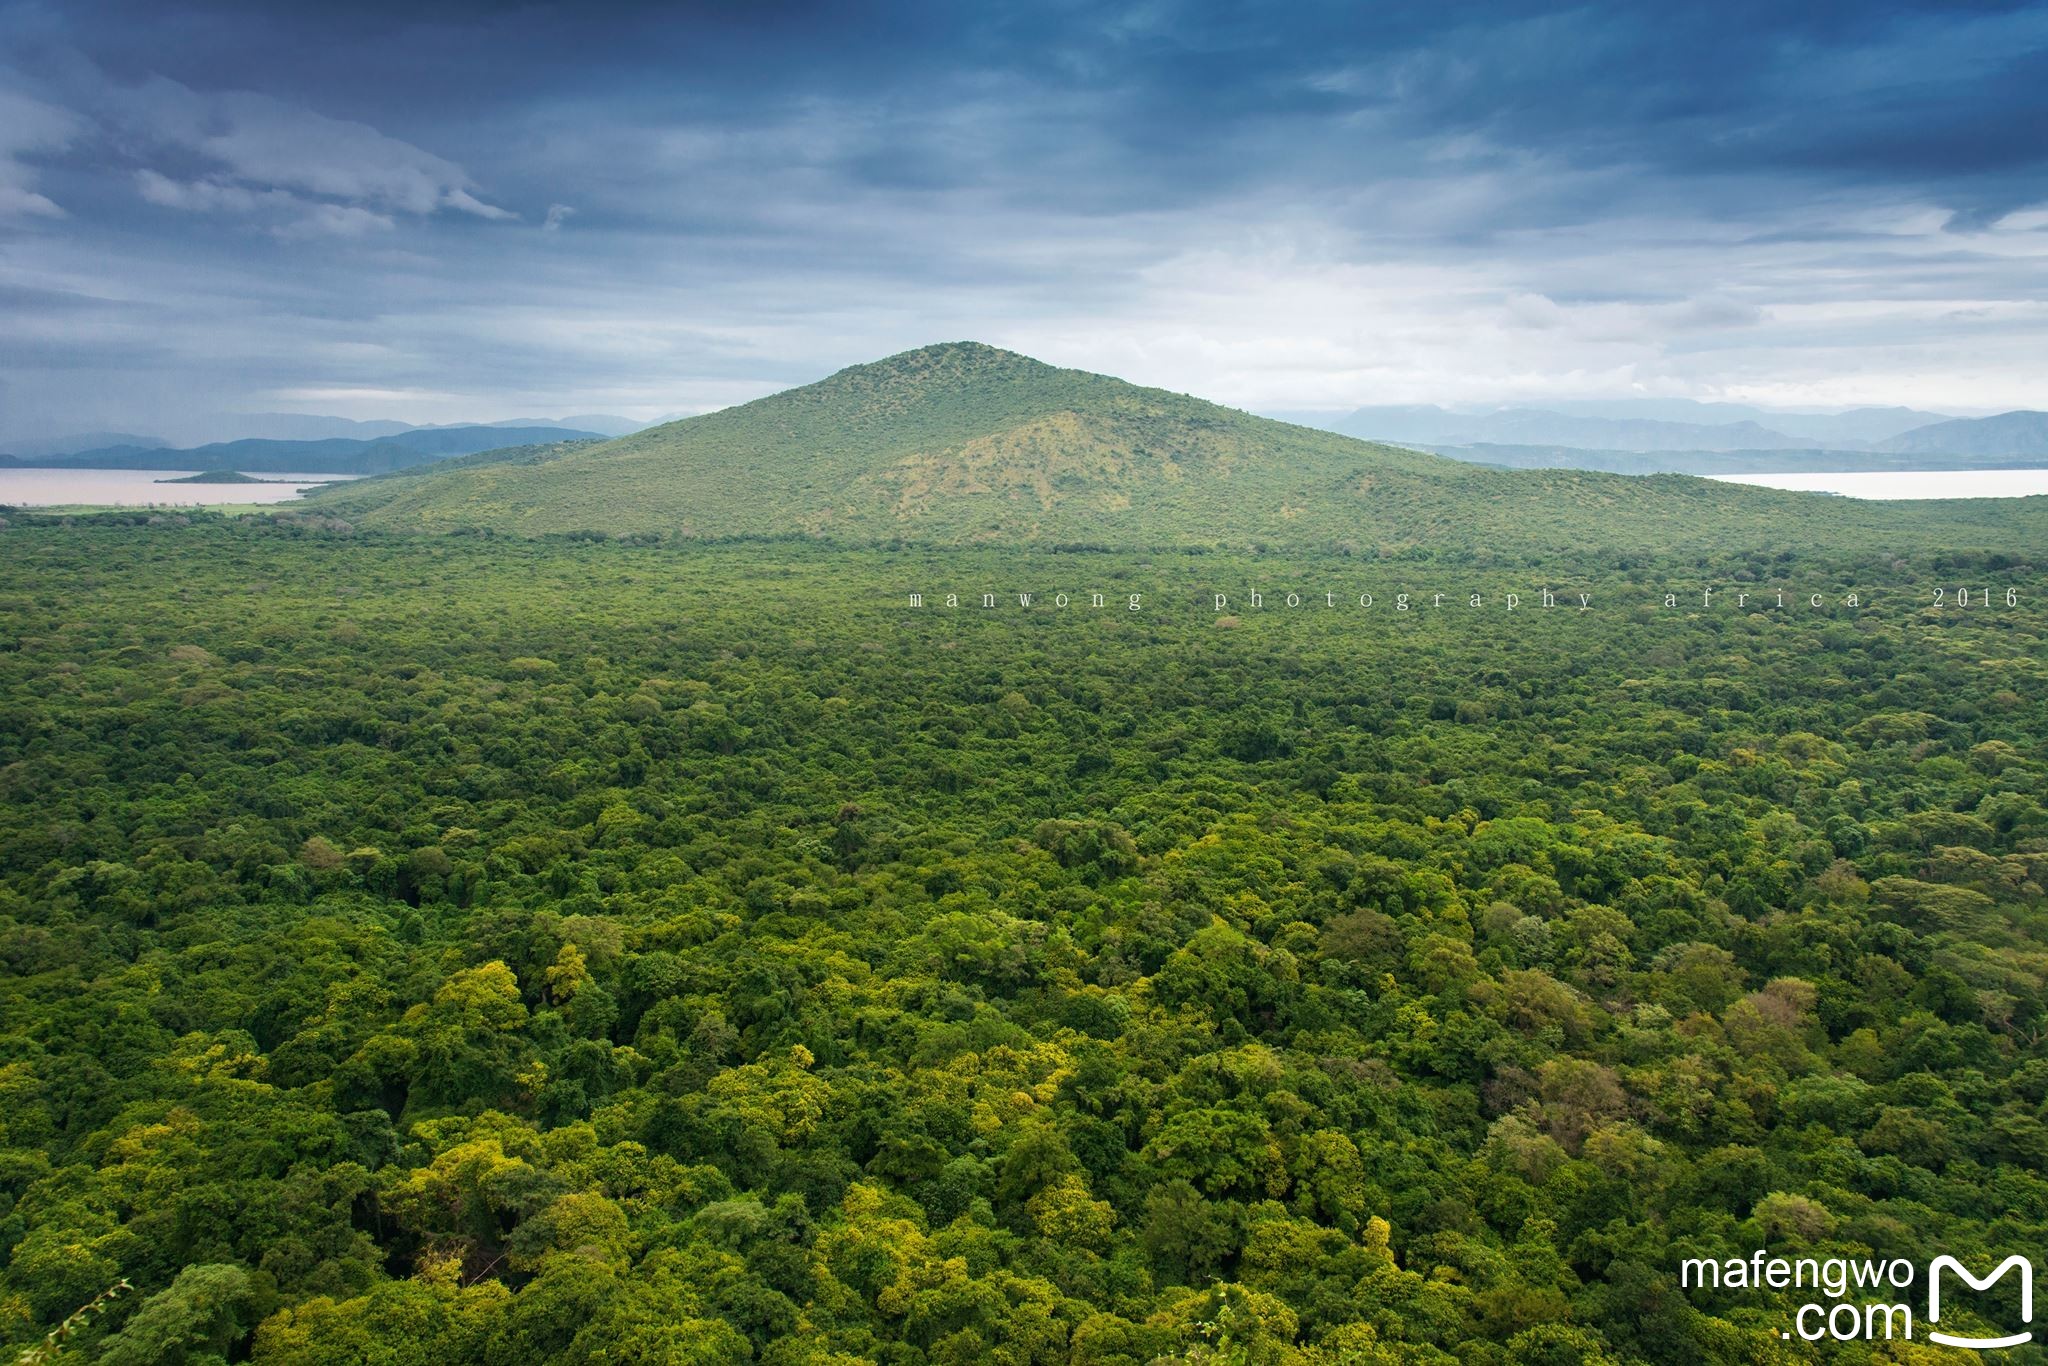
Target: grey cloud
column 335, row 220
column 298, row 217
column 27, row 127
column 208, row 196
column 260, row 153
column 1321, row 202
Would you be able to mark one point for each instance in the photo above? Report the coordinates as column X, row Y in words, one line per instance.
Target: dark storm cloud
column 1938, row 94
column 665, row 206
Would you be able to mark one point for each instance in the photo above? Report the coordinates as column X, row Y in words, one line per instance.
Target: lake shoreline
column 1901, row 485
column 46, row 487
column 62, row 487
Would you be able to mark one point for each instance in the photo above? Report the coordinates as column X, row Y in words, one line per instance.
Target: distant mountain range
column 1852, row 427
column 2008, row 434
column 966, row 445
column 30, row 450
column 1734, row 428
column 310, row 427
column 604, row 424
column 331, row 455
column 227, row 428
column 1633, row 436
column 286, row 427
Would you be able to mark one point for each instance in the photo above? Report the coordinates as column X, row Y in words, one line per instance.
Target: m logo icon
column 2026, row 1270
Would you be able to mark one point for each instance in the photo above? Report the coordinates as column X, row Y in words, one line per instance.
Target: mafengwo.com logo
column 1867, row 1300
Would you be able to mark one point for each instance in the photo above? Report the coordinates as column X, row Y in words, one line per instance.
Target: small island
column 224, row 477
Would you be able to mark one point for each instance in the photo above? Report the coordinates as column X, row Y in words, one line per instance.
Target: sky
column 442, row 212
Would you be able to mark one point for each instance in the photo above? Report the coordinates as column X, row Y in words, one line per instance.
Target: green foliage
column 206, row 1310
column 653, row 953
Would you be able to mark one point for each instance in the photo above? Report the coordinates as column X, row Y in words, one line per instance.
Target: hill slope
column 965, row 444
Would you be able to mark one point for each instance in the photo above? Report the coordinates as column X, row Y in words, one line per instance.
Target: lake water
column 139, row 488
column 1888, row 484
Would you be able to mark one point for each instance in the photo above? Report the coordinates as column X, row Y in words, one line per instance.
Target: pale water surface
column 1906, row 483
column 139, row 488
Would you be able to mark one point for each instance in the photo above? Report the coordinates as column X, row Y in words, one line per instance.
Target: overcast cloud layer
column 443, row 212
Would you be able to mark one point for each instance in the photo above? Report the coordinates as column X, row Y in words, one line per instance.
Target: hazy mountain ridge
column 1587, row 434
column 2022, row 433
column 1853, row 426
column 1431, row 426
column 1595, row 427
column 332, row 455
column 42, row 448
column 964, row 444
column 221, row 429
column 603, row 424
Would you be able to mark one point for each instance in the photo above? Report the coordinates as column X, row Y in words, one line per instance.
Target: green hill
column 966, row 444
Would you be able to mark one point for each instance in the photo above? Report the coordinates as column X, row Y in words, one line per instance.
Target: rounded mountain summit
column 967, row 444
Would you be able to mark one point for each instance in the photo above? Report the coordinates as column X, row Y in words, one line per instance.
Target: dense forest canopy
column 453, row 950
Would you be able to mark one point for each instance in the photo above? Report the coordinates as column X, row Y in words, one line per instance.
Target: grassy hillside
column 963, row 444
